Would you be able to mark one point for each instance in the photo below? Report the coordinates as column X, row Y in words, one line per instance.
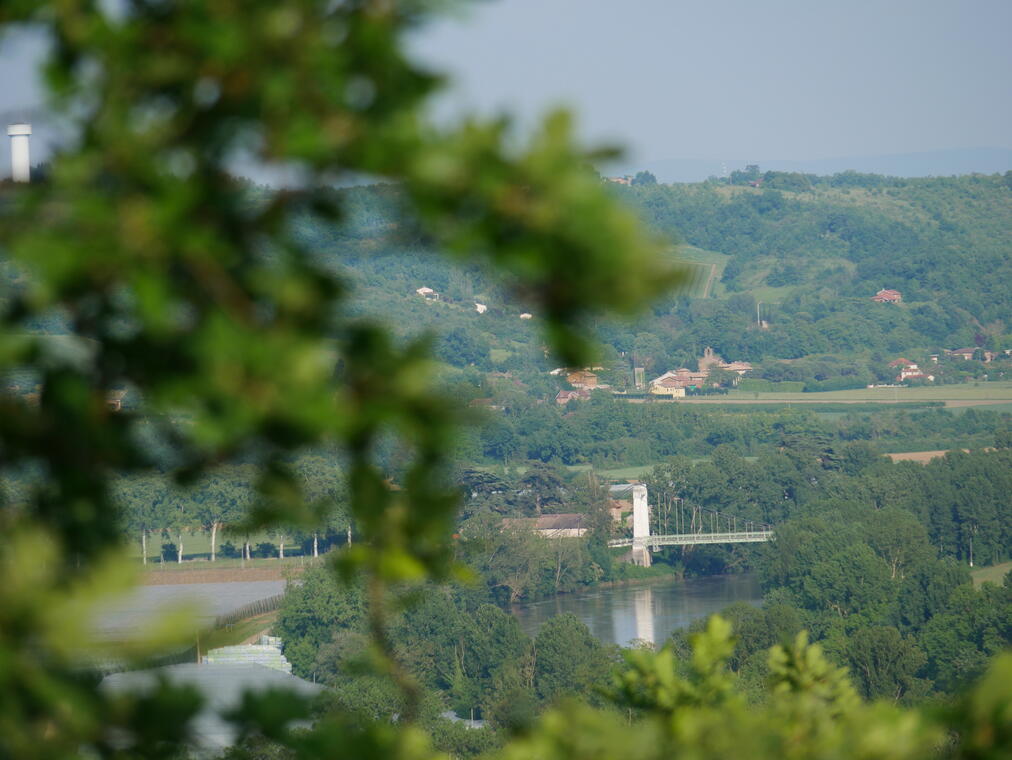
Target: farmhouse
column 909, row 370
column 901, row 362
column 674, row 382
column 564, row 397
column 582, row 378
column 550, row 526
column 668, row 386
column 962, row 353
column 887, row 296
column 969, row 353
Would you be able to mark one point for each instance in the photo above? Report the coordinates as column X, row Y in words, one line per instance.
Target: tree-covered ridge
column 846, row 233
column 804, row 255
column 821, row 247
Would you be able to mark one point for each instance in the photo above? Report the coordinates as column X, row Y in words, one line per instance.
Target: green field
column 198, row 546
column 617, row 473
column 703, row 262
column 973, row 392
column 994, row 574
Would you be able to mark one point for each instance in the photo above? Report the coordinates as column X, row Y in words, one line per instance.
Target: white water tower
column 21, row 162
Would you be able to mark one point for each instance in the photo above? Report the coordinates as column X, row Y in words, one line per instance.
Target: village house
column 480, row 307
column 668, row 386
column 740, row 368
column 887, row 296
column 685, row 377
column 674, row 382
column 526, row 315
column 550, row 526
column 962, row 353
column 969, row 353
column 564, row 397
column 582, row 378
column 901, row 362
column 427, row 293
column 909, row 370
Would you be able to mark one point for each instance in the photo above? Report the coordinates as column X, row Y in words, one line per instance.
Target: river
column 623, row 614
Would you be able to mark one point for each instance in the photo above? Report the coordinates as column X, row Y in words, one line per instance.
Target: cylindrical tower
column 21, row 162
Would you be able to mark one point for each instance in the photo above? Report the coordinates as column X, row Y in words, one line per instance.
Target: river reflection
column 624, row 614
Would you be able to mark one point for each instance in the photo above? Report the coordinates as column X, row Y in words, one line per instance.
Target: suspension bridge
column 679, row 524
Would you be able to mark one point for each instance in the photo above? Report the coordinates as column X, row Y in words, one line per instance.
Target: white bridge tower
column 21, row 161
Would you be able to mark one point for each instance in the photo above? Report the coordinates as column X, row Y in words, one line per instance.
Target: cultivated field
column 968, row 394
column 994, row 574
column 197, row 545
column 917, row 456
column 140, row 607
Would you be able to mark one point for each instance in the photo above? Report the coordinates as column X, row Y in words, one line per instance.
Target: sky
column 714, row 79
column 790, row 79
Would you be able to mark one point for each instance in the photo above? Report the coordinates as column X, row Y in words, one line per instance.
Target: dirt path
column 918, row 456
column 926, row 456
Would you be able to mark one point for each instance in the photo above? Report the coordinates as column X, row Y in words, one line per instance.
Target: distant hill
column 804, row 253
column 814, row 250
column 936, row 163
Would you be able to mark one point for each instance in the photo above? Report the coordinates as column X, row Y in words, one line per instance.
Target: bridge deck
column 690, row 539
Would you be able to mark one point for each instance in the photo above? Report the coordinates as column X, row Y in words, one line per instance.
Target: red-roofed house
column 582, row 378
column 564, row 397
column 901, row 362
column 887, row 296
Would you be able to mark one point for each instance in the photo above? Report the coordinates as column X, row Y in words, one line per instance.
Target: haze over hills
column 936, row 163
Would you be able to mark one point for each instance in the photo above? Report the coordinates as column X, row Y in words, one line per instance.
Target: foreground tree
column 188, row 286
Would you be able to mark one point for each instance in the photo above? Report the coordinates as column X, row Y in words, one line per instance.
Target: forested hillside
column 816, row 249
column 803, row 253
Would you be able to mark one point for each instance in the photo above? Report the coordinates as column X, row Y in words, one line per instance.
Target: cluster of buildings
column 909, row 370
column 967, row 354
column 431, row 295
column 583, row 381
column 674, row 383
